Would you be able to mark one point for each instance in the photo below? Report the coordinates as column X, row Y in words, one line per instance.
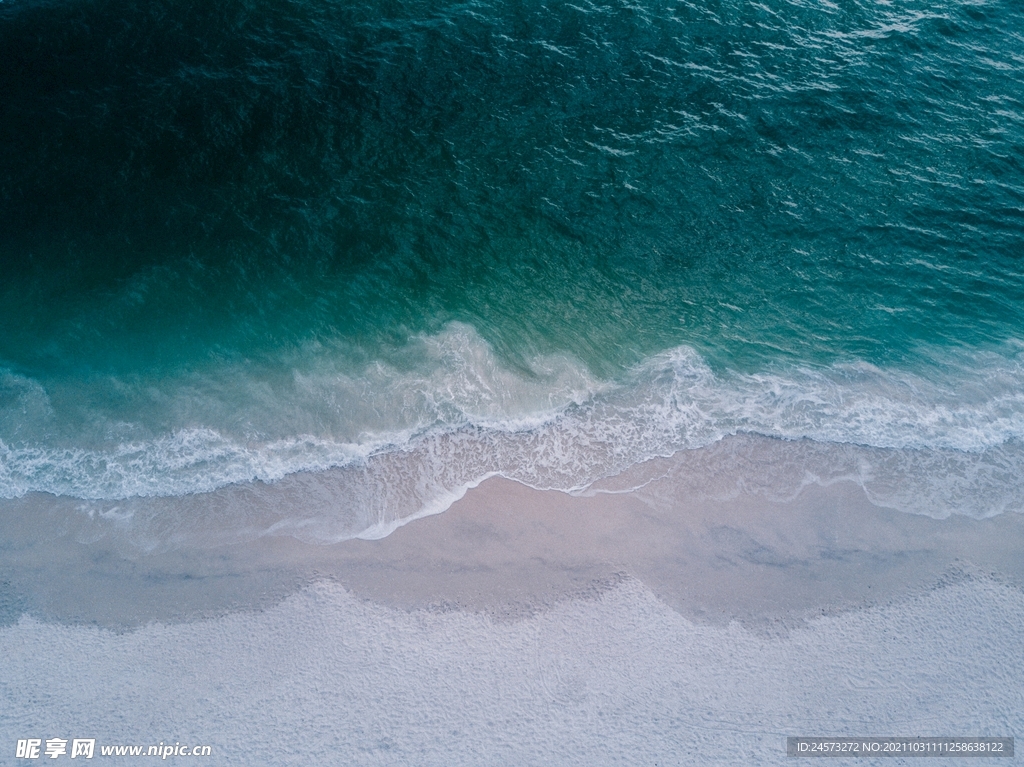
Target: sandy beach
column 524, row 626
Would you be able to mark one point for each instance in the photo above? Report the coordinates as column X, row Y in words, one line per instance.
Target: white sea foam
column 412, row 434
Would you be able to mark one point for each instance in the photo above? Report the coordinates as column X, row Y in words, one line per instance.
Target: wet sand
column 522, row 627
column 510, row 551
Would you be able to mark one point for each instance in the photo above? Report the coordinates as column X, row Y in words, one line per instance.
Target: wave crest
column 412, row 434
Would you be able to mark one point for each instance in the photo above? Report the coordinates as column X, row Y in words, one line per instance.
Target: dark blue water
column 244, row 239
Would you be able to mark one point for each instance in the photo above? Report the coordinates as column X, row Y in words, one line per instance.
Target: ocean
column 390, row 249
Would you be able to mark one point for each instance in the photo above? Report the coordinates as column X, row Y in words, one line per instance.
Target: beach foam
column 403, row 442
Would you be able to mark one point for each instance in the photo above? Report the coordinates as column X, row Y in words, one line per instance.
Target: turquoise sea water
column 240, row 240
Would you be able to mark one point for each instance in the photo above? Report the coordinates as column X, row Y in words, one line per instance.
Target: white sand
column 523, row 628
column 325, row 678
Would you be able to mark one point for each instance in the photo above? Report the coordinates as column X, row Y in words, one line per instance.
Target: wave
column 411, row 433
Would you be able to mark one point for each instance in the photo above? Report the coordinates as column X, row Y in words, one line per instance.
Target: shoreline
column 511, row 551
column 524, row 627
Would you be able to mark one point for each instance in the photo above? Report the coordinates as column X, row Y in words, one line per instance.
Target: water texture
column 246, row 239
